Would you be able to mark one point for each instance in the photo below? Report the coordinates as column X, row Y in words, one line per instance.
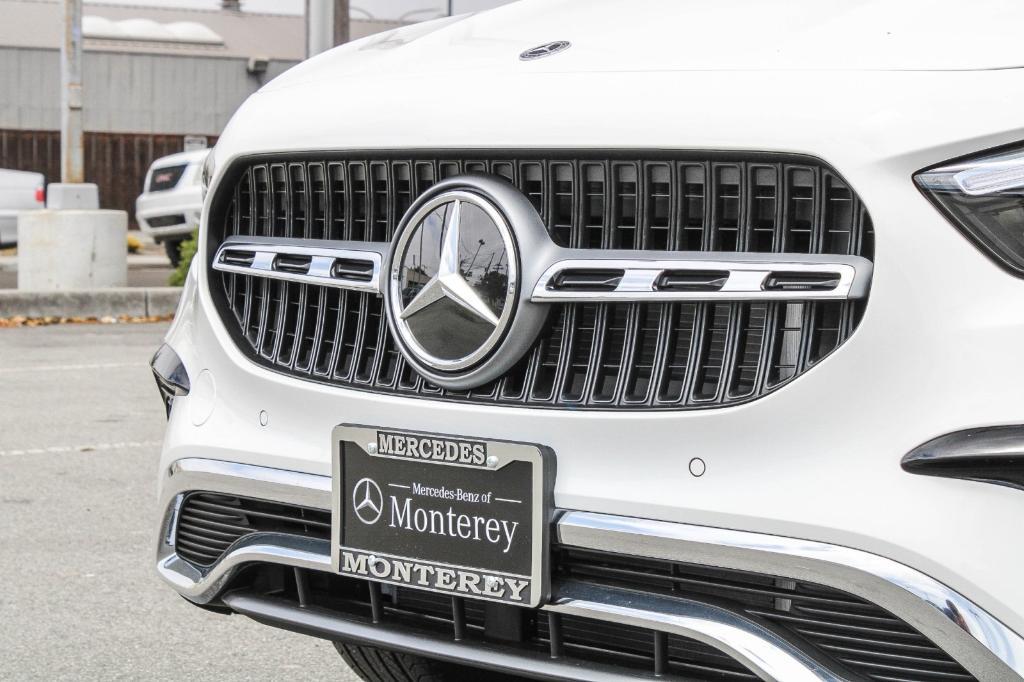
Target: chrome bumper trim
column 981, row 643
column 202, row 585
column 279, row 485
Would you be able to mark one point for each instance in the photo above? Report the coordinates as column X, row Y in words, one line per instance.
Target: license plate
column 465, row 516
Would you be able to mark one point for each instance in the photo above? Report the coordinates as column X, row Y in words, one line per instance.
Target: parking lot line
column 68, row 368
column 59, row 449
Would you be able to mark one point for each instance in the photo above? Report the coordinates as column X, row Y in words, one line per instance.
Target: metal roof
column 36, row 24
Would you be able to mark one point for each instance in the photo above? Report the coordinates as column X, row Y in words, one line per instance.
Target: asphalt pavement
column 80, row 431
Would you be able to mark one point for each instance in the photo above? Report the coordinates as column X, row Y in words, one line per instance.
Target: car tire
column 382, row 665
column 173, row 248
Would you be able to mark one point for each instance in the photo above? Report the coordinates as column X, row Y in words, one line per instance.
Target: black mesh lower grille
column 208, row 524
column 604, row 356
column 582, row 641
column 857, row 634
column 595, row 640
column 861, row 635
column 166, row 220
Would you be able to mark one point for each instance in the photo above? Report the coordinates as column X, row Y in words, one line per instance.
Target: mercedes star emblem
column 448, row 281
column 456, row 305
column 367, row 501
column 453, row 281
column 545, row 50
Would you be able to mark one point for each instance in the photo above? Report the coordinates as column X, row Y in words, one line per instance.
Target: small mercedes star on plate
column 606, row 340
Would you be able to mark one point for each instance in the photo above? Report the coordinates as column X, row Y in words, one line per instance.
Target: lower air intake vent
column 862, row 636
column 208, row 524
column 855, row 634
column 583, row 643
column 166, row 220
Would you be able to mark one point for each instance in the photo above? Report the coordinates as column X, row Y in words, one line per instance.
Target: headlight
column 206, row 175
column 983, row 196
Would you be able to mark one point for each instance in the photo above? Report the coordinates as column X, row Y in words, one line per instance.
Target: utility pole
column 72, row 167
column 327, row 25
column 72, row 244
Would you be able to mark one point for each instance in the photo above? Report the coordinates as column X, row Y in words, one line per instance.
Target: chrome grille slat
column 733, row 352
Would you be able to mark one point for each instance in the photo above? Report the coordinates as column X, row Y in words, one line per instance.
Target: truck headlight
column 983, row 196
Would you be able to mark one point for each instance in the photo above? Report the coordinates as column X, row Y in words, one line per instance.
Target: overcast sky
column 380, row 9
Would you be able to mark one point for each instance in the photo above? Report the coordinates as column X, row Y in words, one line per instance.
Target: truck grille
column 591, row 355
column 166, row 178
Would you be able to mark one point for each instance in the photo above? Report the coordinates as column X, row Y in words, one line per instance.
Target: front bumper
column 186, row 202
column 982, row 644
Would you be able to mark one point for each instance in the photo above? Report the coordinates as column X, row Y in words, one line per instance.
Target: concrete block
column 95, row 303
column 162, row 300
column 72, row 250
column 81, row 196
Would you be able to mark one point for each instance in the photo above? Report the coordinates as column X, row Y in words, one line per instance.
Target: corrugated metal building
column 145, row 88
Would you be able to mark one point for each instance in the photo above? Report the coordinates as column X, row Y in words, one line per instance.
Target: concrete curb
column 140, row 261
column 131, row 301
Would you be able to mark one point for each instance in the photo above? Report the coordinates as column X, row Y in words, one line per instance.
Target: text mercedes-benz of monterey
column 608, row 340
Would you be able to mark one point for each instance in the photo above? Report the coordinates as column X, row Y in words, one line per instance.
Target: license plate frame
column 404, row 555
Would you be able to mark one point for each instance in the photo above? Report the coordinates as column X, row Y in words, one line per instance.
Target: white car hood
column 693, row 35
column 844, row 80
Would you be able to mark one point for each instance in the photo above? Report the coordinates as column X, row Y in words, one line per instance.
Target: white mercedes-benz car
column 618, row 340
column 172, row 200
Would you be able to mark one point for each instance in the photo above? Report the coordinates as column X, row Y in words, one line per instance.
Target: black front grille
column 585, row 639
column 208, row 524
column 666, row 355
column 166, row 178
column 861, row 635
column 582, row 642
column 166, row 220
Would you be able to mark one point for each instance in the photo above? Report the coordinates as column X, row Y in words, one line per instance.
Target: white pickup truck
column 169, row 206
column 19, row 191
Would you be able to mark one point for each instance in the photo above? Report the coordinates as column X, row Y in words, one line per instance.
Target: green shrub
column 188, row 251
